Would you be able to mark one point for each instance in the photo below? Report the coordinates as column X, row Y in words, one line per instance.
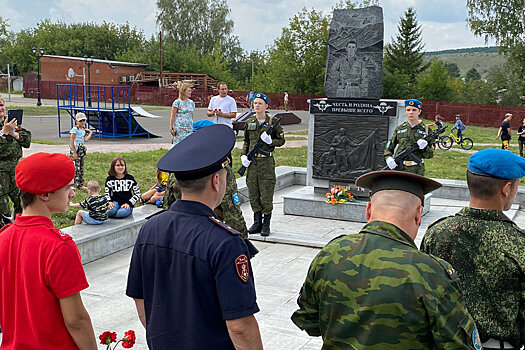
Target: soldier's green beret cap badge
column 412, row 102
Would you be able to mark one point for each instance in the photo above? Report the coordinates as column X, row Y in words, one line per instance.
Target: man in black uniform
column 190, row 274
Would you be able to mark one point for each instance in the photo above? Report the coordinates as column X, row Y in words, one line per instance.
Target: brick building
column 103, row 72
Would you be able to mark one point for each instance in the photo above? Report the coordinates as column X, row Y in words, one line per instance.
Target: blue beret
column 413, row 103
column 263, row 96
column 199, row 124
column 202, row 153
column 497, row 163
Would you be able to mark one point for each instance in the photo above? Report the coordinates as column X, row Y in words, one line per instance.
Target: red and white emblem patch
column 242, row 267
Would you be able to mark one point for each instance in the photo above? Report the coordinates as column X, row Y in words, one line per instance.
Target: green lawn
column 478, row 134
column 45, row 142
column 51, row 110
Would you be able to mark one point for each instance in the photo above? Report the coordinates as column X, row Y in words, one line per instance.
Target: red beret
column 44, row 172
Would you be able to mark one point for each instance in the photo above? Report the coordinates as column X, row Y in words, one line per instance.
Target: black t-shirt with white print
column 125, row 190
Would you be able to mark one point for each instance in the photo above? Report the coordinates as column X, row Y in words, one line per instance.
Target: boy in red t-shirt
column 41, row 273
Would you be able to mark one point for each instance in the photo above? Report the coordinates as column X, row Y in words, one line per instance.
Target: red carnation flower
column 107, row 338
column 129, row 339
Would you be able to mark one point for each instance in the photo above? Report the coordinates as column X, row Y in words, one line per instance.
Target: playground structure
column 107, row 108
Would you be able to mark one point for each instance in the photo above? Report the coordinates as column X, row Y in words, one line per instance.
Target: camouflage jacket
column 405, row 135
column 487, row 250
column 11, row 149
column 228, row 211
column 376, row 290
column 253, row 131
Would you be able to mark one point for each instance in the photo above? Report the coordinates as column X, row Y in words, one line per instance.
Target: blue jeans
column 118, row 212
column 89, row 220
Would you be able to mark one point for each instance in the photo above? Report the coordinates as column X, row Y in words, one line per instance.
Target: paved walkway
column 279, row 271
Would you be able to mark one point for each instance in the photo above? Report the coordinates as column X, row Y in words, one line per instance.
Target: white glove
column 391, row 163
column 422, row 143
column 266, row 138
column 245, row 162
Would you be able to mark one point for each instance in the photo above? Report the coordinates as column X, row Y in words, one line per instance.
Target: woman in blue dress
column 181, row 119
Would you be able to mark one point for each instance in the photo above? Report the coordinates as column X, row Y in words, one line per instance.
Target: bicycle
column 446, row 142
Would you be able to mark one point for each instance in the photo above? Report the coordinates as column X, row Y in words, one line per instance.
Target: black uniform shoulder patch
column 224, row 226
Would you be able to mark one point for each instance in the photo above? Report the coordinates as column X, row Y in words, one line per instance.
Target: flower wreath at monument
column 339, row 194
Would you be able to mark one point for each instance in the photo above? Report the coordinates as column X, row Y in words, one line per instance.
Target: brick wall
column 55, row 69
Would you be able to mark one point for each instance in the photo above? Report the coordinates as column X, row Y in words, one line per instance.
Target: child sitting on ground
column 157, row 191
column 96, row 204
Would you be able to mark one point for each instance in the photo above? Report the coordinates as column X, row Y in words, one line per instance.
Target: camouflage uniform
column 260, row 177
column 228, row 211
column 405, row 135
column 487, row 250
column 376, row 290
column 10, row 153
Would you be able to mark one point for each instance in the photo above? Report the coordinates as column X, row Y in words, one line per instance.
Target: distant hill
column 481, row 58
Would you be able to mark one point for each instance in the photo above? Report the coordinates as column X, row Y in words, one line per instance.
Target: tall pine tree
column 405, row 54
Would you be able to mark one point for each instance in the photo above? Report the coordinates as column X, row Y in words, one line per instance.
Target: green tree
column 502, row 20
column 472, row 74
column 102, row 41
column 396, row 85
column 452, row 69
column 434, row 84
column 200, row 24
column 405, row 54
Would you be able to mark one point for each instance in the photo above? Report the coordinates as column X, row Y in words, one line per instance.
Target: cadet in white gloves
column 413, row 130
column 260, row 177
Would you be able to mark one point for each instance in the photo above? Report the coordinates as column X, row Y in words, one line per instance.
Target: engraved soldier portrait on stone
column 355, row 53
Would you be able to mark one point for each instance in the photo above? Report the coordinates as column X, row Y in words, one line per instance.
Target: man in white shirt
column 222, row 108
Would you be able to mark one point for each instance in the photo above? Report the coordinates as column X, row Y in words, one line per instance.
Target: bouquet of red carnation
column 108, row 337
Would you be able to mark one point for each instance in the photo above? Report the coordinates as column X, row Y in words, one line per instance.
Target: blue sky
column 257, row 23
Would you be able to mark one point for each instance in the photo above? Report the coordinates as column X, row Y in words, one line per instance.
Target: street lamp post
column 89, row 62
column 38, row 56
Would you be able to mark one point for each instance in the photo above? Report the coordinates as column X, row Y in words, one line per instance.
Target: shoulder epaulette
column 64, row 236
column 155, row 214
column 446, row 266
column 439, row 220
column 224, row 226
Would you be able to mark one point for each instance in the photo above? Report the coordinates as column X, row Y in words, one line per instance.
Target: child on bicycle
column 459, row 126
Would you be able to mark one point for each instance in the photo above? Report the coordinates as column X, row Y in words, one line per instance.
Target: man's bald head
column 399, row 208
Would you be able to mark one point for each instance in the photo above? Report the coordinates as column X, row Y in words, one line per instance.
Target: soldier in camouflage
column 487, row 249
column 229, row 210
column 260, row 178
column 12, row 139
column 413, row 130
column 375, row 289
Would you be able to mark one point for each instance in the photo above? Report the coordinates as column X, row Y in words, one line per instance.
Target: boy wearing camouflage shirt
column 96, row 204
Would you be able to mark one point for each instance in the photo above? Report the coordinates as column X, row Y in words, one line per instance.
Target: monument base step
column 305, row 202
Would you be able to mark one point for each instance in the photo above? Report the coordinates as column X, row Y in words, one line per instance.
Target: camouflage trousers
column 79, row 165
column 260, row 180
column 228, row 211
column 8, row 190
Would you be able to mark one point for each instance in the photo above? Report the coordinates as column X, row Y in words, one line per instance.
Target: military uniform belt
column 259, row 155
column 497, row 344
column 354, row 84
column 412, row 163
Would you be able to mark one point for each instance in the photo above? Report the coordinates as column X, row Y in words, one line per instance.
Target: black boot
column 257, row 224
column 266, row 225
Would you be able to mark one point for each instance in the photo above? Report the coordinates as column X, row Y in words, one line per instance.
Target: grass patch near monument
column 143, row 167
column 447, row 165
column 45, row 142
